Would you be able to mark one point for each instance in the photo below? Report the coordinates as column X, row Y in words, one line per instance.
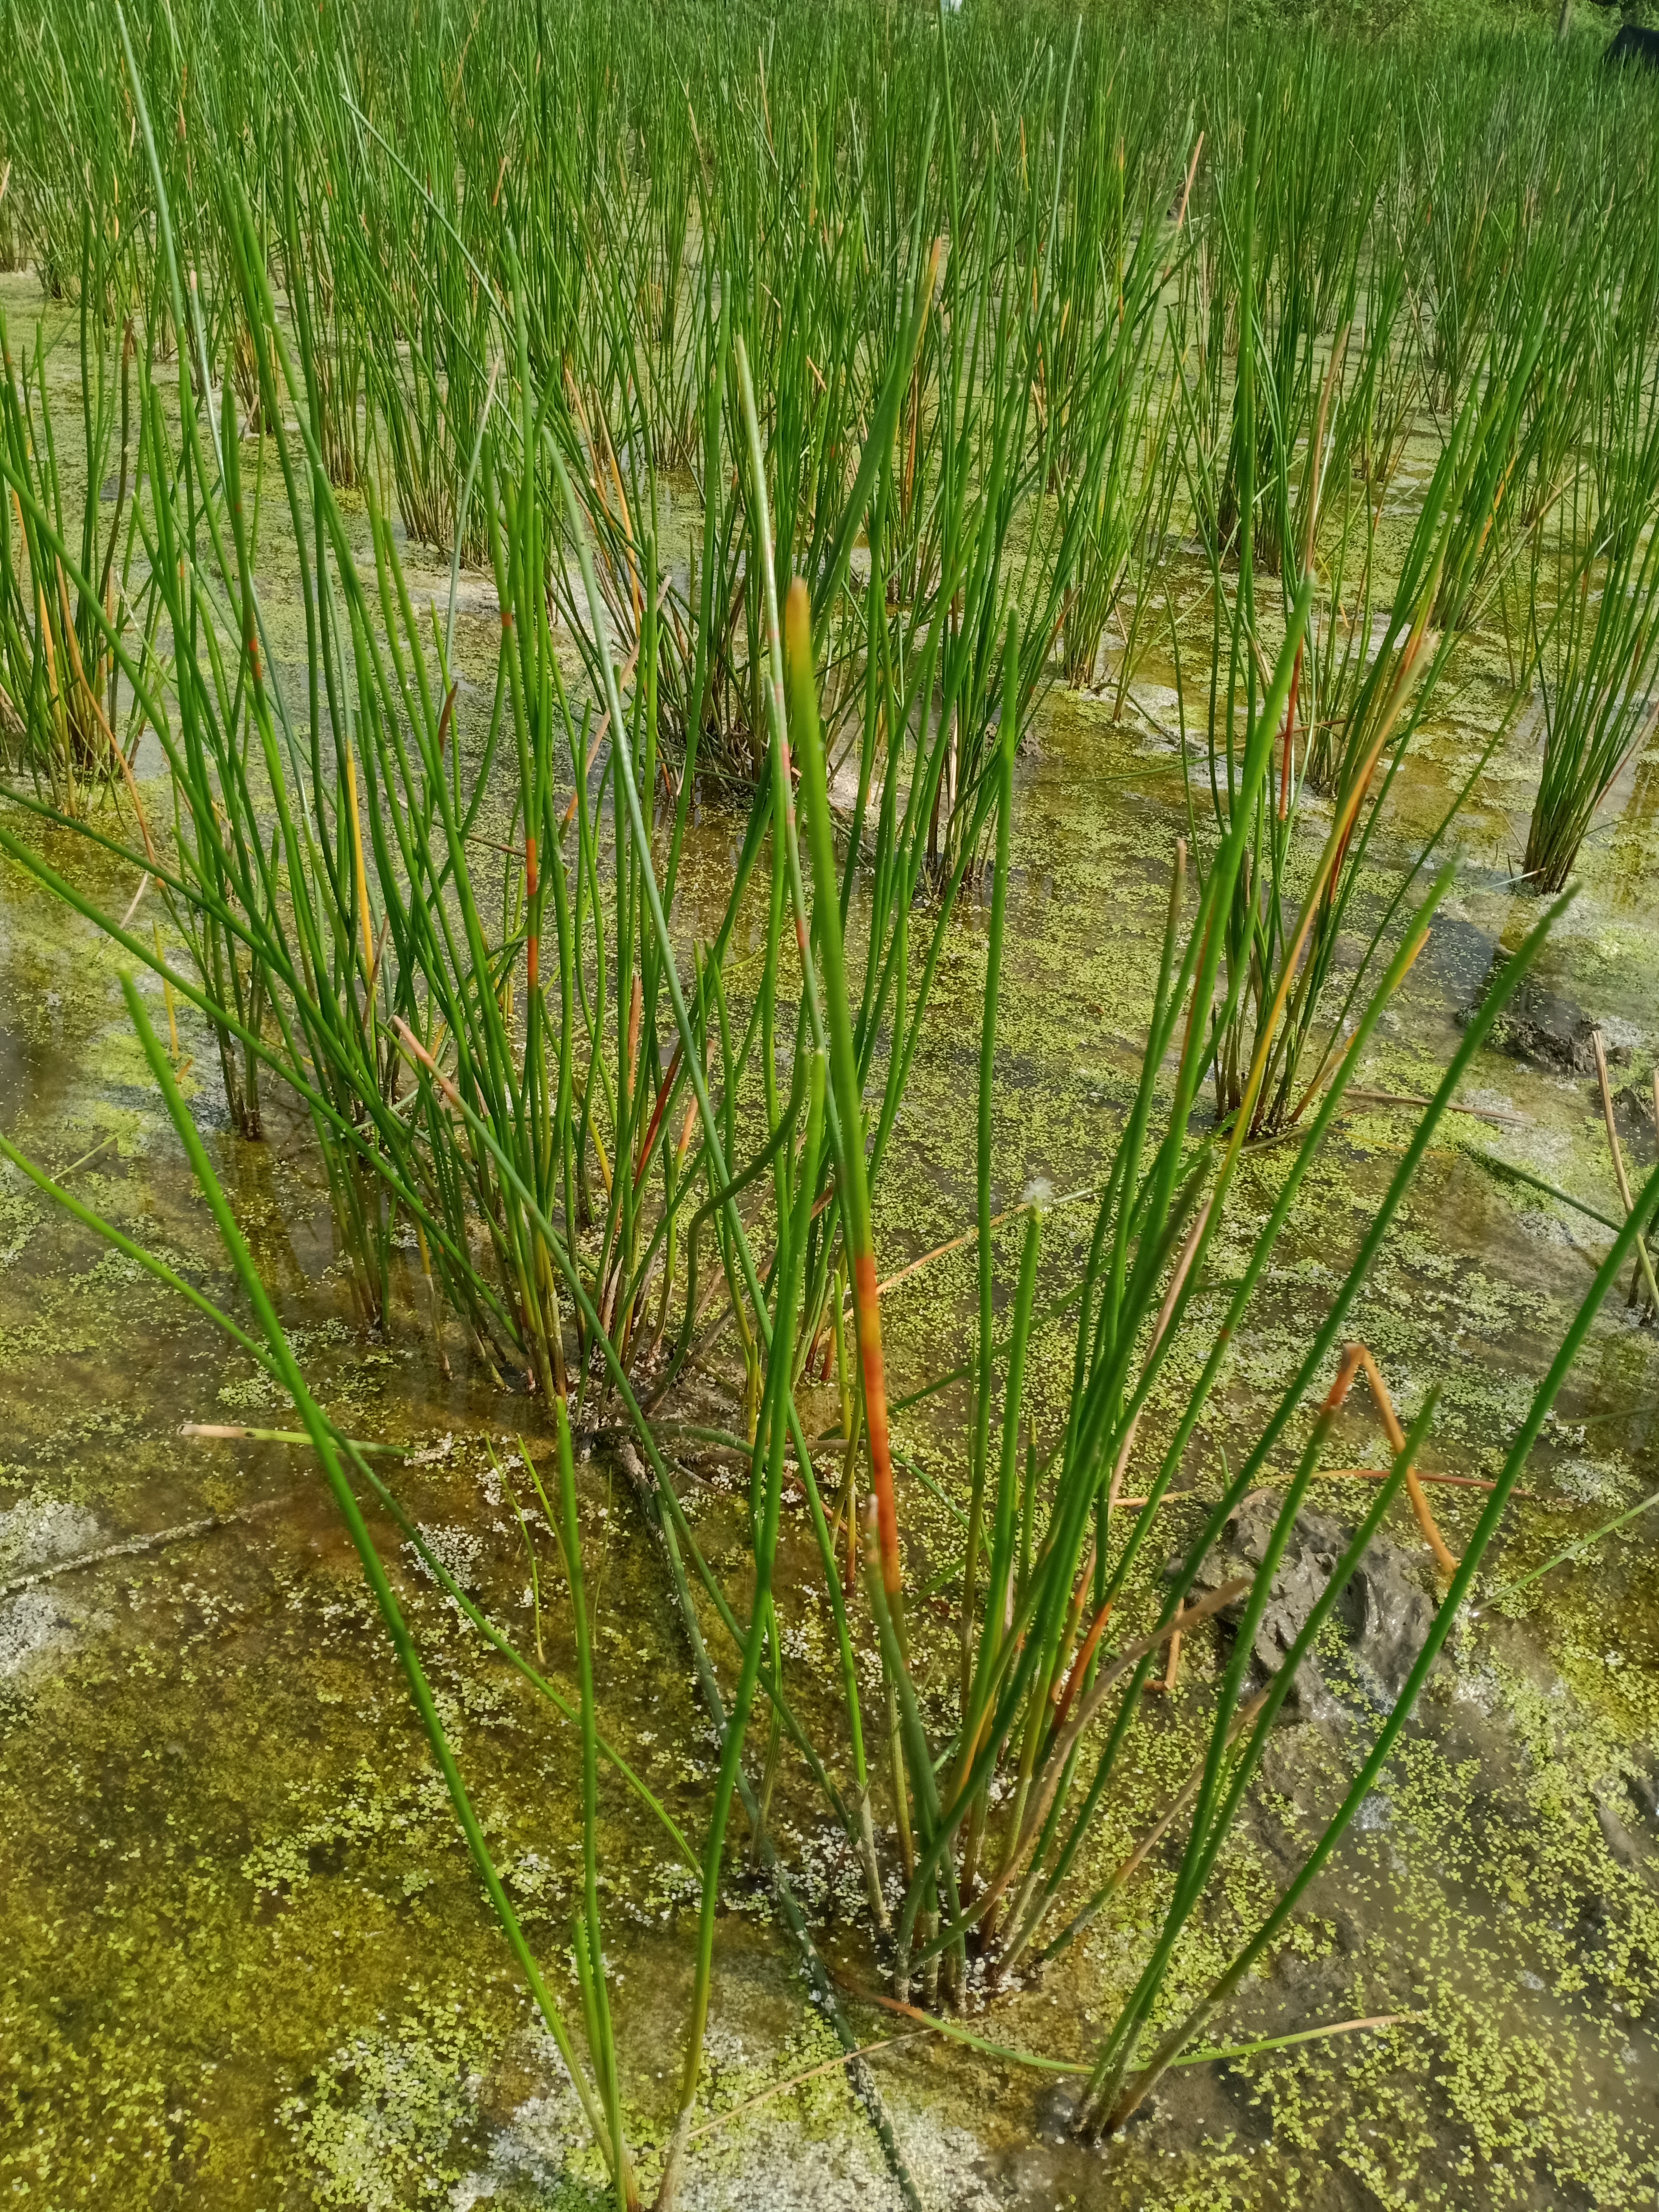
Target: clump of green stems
column 13, row 254
column 361, row 977
column 1597, row 655
column 1037, row 1673
column 328, row 879
column 1292, row 217
column 1127, row 491
column 1279, row 941
column 61, row 715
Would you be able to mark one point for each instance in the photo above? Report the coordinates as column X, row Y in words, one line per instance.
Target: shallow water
column 246, row 1962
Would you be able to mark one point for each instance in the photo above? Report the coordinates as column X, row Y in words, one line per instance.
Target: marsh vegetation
column 836, row 822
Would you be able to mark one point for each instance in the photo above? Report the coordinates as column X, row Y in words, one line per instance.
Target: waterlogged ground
column 246, row 1962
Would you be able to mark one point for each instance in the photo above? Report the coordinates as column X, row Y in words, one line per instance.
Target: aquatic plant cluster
column 803, row 393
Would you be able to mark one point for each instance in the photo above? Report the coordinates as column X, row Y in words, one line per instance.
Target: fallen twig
column 796, row 2080
column 235, row 1432
column 133, row 1547
column 1403, row 1098
column 1044, row 2064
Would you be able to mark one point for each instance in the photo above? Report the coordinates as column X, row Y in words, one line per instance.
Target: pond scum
column 832, row 821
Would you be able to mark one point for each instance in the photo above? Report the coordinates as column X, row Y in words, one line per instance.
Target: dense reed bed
column 802, row 397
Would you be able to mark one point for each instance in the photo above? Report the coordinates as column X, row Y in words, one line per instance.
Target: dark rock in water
column 1546, row 1028
column 1385, row 1608
column 1056, row 2110
column 1389, row 1612
column 1632, row 1103
column 1539, row 1024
